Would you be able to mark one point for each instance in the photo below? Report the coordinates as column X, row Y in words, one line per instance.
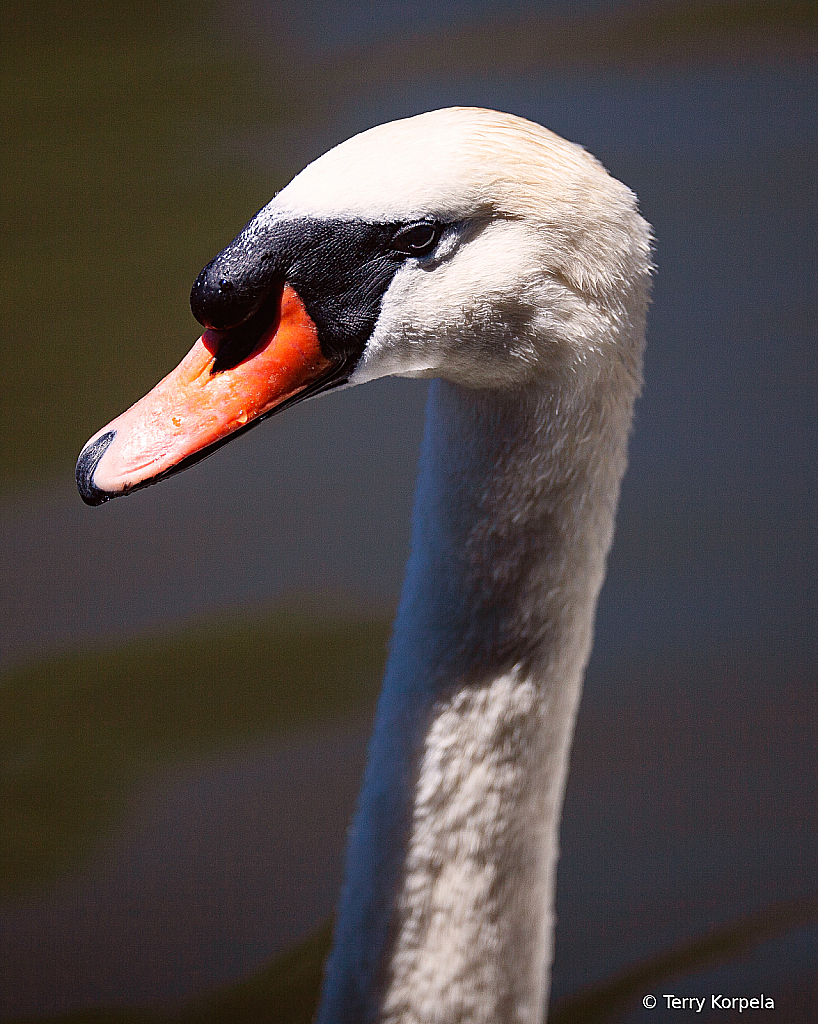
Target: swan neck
column 446, row 913
column 512, row 523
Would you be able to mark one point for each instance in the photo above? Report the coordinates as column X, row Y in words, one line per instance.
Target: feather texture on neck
column 446, row 912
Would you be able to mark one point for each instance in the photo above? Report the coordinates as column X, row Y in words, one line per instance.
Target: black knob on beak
column 234, row 285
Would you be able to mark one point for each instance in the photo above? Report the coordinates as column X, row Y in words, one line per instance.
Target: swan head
column 461, row 243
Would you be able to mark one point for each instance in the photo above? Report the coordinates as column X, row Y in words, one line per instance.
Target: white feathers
column 474, row 779
column 544, row 255
column 532, row 312
column 454, row 162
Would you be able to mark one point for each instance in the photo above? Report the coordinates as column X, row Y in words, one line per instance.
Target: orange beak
column 199, row 406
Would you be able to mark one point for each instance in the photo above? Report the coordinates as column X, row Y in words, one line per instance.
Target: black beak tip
column 86, row 464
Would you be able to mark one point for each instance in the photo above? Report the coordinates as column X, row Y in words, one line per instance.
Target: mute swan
column 481, row 250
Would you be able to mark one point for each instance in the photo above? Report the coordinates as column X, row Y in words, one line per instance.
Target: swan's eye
column 417, row 239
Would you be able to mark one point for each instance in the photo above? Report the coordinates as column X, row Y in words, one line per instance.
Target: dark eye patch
column 339, row 268
column 417, row 239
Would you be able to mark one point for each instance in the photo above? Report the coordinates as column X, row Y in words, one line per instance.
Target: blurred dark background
column 188, row 675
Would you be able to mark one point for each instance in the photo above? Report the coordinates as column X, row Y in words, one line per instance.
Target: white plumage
column 531, row 314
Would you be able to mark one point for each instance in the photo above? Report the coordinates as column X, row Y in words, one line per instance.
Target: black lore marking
column 341, row 270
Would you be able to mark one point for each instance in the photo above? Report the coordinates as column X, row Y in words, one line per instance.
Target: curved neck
column 446, row 912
